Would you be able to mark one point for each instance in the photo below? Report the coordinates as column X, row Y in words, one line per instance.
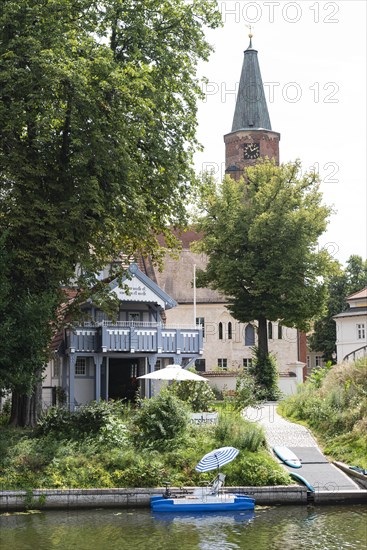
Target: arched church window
column 229, row 331
column 280, row 331
column 270, row 330
column 220, row 330
column 249, row 335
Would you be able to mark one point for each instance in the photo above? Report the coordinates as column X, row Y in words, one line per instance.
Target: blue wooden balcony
column 134, row 337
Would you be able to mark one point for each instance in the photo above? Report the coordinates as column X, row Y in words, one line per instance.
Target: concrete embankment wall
column 48, row 499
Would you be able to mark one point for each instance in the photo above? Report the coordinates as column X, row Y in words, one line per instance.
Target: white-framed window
column 361, row 331
column 318, row 360
column 201, row 321
column 56, row 367
column 247, row 363
column 81, row 366
column 222, row 364
column 308, row 359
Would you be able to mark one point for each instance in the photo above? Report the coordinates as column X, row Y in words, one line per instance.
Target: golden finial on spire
column 250, row 27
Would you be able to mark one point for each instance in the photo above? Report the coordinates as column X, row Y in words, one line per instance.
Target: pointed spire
column 251, row 109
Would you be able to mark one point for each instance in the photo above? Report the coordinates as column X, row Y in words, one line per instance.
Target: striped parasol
column 216, row 459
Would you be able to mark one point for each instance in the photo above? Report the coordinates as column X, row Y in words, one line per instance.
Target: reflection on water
column 278, row 528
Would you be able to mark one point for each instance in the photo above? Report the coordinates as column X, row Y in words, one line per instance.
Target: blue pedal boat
column 202, row 503
column 206, row 499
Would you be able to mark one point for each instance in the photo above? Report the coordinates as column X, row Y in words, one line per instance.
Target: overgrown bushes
column 108, row 445
column 334, row 404
column 160, row 422
column 102, row 420
column 198, row 395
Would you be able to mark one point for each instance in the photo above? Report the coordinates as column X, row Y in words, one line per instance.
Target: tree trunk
column 25, row 409
column 262, row 333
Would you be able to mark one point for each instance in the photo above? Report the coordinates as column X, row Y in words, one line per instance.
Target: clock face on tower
column 251, row 151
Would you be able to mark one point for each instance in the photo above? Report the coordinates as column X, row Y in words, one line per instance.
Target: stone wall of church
column 217, row 343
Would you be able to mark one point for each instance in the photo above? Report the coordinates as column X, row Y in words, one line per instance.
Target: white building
column 351, row 328
column 227, row 343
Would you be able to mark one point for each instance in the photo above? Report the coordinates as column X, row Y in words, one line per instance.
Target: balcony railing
column 147, row 324
column 135, row 337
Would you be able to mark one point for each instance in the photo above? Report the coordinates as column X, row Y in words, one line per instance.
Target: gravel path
column 322, row 475
column 278, row 430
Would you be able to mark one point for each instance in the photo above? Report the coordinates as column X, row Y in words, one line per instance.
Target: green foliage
column 261, row 238
column 265, row 371
column 55, row 460
column 5, row 413
column 256, row 469
column 198, row 395
column 334, row 405
column 318, row 374
column 341, row 284
column 161, row 421
column 237, row 432
column 97, row 136
column 103, row 420
column 245, row 395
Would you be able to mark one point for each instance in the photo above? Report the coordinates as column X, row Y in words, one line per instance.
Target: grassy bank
column 333, row 403
column 109, row 445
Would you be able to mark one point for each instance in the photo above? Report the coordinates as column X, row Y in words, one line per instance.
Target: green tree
column 343, row 283
column 97, row 132
column 260, row 236
column 26, row 331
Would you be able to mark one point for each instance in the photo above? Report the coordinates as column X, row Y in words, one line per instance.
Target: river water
column 268, row 528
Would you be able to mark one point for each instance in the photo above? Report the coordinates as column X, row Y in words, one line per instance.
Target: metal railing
column 356, row 354
column 140, row 324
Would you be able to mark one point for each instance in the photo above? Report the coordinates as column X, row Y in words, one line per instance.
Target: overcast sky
column 312, row 58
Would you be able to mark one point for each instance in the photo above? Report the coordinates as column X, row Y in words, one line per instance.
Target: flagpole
column 194, row 295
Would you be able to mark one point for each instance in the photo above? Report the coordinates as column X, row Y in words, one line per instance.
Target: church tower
column 251, row 136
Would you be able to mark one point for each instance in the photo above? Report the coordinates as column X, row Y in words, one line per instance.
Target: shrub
column 160, row 422
column 256, row 469
column 198, row 395
column 245, row 394
column 103, row 419
column 234, row 431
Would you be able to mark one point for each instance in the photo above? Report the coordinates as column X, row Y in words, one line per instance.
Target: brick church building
column 227, row 343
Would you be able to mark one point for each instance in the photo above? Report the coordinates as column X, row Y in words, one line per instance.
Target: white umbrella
column 173, row 372
column 216, row 459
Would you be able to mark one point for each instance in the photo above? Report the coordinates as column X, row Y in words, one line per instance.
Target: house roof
column 360, row 294
column 352, row 312
column 140, row 294
column 177, row 275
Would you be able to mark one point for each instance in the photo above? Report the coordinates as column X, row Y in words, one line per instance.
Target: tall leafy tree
column 344, row 282
column 97, row 131
column 261, row 238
